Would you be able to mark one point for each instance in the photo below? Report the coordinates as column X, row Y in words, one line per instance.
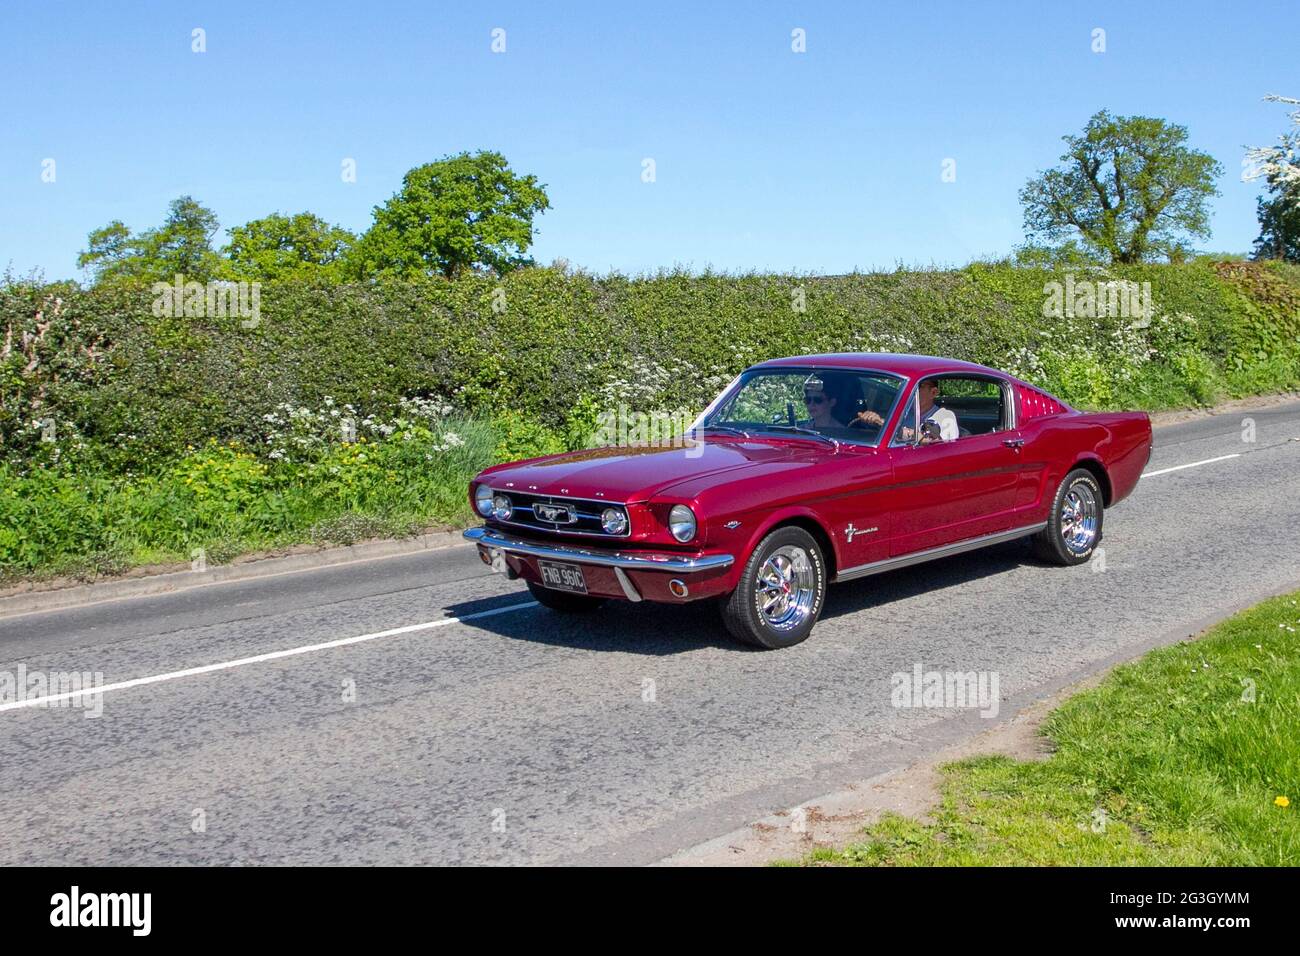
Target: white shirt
column 946, row 421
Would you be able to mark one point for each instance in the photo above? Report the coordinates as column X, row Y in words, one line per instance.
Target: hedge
column 541, row 351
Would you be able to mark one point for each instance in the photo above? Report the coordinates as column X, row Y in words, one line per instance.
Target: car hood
column 636, row 473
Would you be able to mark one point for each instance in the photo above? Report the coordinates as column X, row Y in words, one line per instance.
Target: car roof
column 901, row 364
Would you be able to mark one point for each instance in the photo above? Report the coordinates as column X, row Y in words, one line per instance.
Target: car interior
column 980, row 405
column 977, row 403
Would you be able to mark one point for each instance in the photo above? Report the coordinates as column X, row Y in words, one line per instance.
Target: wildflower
column 1282, row 802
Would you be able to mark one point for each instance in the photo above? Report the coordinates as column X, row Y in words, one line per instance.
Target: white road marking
column 260, row 658
column 1191, row 464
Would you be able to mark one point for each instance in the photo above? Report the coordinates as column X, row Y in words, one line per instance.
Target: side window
column 979, row 404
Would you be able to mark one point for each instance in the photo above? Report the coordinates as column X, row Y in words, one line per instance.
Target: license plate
column 563, row 577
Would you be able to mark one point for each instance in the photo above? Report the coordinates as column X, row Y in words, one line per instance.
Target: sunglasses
column 814, row 399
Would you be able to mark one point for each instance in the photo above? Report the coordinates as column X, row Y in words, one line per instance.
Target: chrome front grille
column 558, row 514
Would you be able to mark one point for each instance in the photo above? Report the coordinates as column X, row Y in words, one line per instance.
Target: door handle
column 1016, row 443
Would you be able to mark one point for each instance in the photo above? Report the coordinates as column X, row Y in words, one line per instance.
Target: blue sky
column 765, row 159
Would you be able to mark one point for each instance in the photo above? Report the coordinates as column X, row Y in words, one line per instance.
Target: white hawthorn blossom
column 1279, row 165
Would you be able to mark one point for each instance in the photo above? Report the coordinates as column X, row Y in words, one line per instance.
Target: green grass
column 227, row 501
column 1168, row 762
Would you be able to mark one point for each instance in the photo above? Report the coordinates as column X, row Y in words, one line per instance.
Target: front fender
column 755, row 526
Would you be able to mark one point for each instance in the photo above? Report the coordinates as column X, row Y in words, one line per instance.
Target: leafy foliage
column 286, row 247
column 1279, row 211
column 226, row 498
column 469, row 211
column 548, row 350
column 1279, row 224
column 1129, row 187
column 182, row 245
column 106, row 409
column 462, row 213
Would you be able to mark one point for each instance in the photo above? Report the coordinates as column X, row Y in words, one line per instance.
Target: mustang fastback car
column 805, row 471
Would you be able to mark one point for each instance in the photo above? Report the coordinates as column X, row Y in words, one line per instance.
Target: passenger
column 927, row 391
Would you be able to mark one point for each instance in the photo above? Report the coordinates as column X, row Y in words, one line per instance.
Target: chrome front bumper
column 627, row 560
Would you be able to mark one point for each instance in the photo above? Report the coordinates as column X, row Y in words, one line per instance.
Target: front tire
column 781, row 591
column 564, row 601
column 1074, row 528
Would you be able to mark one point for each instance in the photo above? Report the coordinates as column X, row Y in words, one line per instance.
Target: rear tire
column 1074, row 526
column 564, row 601
column 781, row 591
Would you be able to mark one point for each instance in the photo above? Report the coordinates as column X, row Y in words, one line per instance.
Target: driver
column 820, row 404
column 822, row 396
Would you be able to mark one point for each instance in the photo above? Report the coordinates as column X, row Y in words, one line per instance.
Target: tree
column 110, row 252
column 463, row 212
column 182, row 245
column 1279, row 224
column 1281, row 162
column 1279, row 213
column 1129, row 186
column 279, row 247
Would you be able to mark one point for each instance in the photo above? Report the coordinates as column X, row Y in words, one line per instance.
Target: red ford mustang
column 809, row 470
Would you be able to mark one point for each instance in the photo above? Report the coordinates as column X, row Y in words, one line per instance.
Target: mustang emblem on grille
column 556, row 514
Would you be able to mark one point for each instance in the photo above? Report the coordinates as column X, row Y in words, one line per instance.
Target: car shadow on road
column 646, row 628
column 880, row 590
column 660, row 629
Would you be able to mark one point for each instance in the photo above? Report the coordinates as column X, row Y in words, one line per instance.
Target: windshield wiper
column 806, row 431
column 727, row 428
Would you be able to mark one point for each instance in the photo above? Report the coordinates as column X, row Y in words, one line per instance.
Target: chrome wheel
column 1079, row 513
column 786, row 588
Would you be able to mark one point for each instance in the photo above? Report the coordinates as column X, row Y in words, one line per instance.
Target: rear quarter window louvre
column 1036, row 404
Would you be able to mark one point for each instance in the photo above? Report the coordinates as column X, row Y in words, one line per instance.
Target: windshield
column 832, row 403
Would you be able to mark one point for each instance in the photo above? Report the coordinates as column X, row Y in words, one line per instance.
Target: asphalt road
column 514, row 735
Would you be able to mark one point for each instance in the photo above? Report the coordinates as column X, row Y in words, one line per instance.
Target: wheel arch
column 1093, row 464
column 808, row 522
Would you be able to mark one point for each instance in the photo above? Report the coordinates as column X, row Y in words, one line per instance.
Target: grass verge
column 223, row 500
column 1189, row 756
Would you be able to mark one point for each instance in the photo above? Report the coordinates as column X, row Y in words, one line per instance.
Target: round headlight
column 681, row 522
column 613, row 520
column 483, row 500
column 502, row 508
